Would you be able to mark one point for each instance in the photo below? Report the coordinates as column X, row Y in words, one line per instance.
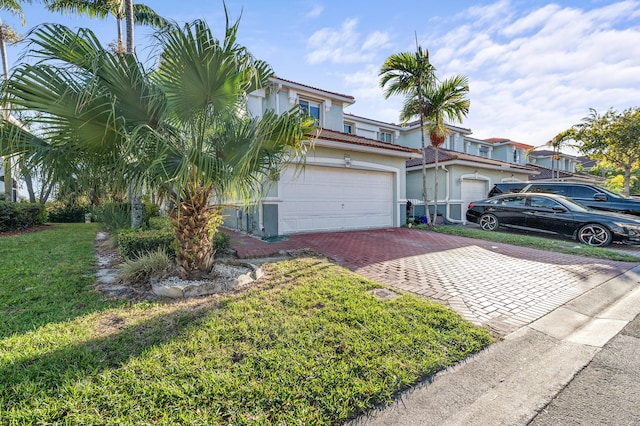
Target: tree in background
column 613, row 138
column 121, row 10
column 428, row 98
column 445, row 99
column 410, row 74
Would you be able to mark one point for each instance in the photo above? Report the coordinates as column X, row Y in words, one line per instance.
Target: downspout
column 447, row 202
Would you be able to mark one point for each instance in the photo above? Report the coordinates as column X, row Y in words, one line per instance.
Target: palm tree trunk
column 193, row 219
column 435, row 188
column 8, row 181
column 424, row 173
column 128, row 10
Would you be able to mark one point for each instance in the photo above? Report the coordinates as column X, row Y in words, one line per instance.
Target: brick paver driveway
column 494, row 284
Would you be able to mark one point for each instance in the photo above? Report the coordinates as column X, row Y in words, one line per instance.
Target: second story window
column 311, row 108
column 348, row 128
column 385, row 136
column 484, row 151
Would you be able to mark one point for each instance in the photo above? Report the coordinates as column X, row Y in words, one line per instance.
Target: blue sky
column 535, row 67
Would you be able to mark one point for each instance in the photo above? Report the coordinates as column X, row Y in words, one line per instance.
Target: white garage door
column 472, row 190
column 329, row 199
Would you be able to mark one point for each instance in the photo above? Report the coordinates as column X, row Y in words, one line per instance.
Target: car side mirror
column 600, row 197
column 558, row 209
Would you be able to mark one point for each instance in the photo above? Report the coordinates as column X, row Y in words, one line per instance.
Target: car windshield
column 573, row 205
column 615, row 194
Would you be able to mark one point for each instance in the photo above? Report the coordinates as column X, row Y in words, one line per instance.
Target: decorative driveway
column 494, row 284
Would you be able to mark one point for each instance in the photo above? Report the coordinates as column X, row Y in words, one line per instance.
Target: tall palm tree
column 183, row 126
column 8, row 34
column 444, row 99
column 410, row 74
column 119, row 9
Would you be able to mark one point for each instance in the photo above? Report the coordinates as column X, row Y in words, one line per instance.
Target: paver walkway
column 489, row 283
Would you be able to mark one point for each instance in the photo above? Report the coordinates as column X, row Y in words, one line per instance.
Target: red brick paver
column 495, row 284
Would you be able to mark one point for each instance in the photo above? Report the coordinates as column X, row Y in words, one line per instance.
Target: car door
column 547, row 215
column 510, row 210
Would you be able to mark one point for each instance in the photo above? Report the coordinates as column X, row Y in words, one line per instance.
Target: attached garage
column 473, row 190
column 322, row 198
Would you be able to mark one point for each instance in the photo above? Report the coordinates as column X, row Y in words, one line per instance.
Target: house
column 349, row 181
column 467, row 169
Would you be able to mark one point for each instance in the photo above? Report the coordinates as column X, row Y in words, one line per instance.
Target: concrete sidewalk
column 512, row 381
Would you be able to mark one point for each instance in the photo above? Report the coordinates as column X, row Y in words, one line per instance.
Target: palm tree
column 184, row 126
column 444, row 99
column 8, row 34
column 120, row 9
column 410, row 74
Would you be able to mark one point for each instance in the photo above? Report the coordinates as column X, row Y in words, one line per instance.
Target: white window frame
column 312, row 103
column 385, row 132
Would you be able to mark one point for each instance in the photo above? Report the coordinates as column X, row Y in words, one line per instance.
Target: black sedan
column 554, row 214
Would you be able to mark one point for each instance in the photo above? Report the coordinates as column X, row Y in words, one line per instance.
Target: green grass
column 548, row 244
column 309, row 345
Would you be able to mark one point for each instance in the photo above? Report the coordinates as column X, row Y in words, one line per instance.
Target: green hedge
column 16, row 216
column 133, row 244
column 60, row 213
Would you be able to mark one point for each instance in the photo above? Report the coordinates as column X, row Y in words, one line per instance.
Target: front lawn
column 308, row 345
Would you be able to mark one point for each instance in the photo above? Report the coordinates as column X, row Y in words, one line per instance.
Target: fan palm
column 410, row 74
column 184, row 126
column 444, row 99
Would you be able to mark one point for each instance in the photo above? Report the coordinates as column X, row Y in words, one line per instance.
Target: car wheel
column 488, row 222
column 594, row 235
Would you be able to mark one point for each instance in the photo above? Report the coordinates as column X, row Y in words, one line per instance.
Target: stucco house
column 349, row 181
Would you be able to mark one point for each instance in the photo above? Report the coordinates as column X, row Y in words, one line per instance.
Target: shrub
column 134, row 244
column 114, row 216
column 62, row 213
column 16, row 216
column 160, row 222
column 221, row 241
column 156, row 264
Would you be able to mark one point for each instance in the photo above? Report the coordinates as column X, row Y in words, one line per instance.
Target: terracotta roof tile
column 335, row 136
column 448, row 155
column 315, row 88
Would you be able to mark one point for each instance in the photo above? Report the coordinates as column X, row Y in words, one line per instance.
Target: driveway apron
column 502, row 286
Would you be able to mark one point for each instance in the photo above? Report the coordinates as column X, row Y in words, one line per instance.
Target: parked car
column 506, row 188
column 591, row 196
column 554, row 214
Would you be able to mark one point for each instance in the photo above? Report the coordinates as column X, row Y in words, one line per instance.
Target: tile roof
column 546, row 173
column 335, row 136
column 314, row 88
column 448, row 155
column 509, row 141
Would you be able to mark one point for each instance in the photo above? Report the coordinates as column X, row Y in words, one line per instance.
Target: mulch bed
column 37, row 228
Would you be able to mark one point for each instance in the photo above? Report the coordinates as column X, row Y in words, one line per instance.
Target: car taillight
column 470, row 205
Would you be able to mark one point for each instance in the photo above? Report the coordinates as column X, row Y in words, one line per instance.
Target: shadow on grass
column 45, row 376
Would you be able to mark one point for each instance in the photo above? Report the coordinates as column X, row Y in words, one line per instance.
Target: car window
column 543, row 202
column 583, row 192
column 514, row 201
column 549, row 189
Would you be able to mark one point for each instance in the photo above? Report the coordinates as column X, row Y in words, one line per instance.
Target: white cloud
column 342, row 45
column 315, row 11
column 535, row 73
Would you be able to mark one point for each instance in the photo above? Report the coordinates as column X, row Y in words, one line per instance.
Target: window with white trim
column 385, row 136
column 348, row 128
column 311, row 108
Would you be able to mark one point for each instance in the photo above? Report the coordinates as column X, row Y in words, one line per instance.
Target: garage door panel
column 329, row 198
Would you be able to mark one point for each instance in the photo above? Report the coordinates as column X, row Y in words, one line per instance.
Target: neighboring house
column 462, row 178
column 546, row 174
column 554, row 160
column 468, row 167
column 348, row 181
